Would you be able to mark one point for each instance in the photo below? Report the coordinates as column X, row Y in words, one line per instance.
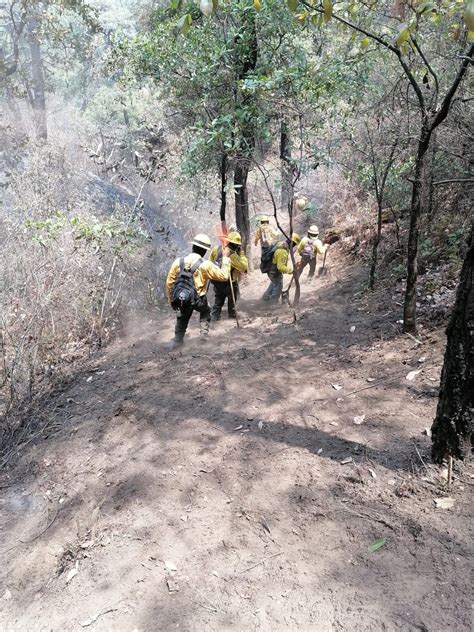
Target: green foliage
column 113, row 234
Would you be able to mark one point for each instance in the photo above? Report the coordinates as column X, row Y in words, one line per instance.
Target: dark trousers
column 304, row 262
column 222, row 293
column 273, row 291
column 184, row 316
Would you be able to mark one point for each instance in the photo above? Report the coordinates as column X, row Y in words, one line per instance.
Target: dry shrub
column 62, row 288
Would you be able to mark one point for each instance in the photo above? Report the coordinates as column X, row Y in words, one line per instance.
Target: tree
column 407, row 44
column 452, row 429
column 40, row 40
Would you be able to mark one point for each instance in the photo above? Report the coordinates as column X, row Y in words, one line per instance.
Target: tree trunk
column 37, row 75
column 241, row 202
column 452, row 427
column 409, row 310
column 375, row 248
column 223, row 174
column 285, row 151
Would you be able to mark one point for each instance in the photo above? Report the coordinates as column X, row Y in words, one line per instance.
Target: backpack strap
column 220, row 255
column 194, row 267
column 181, row 265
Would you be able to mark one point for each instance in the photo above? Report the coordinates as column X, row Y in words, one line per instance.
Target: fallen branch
column 367, row 517
column 261, row 562
column 50, row 523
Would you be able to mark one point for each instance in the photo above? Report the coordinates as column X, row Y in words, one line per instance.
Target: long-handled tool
column 233, row 299
column 285, row 295
column 323, row 270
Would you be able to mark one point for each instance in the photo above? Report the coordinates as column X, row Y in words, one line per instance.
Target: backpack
column 183, row 294
column 308, row 250
column 266, row 262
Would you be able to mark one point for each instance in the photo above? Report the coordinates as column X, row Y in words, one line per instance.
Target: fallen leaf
column 372, row 473
column 411, row 376
column 89, row 379
column 260, row 424
column 320, row 450
column 371, row 379
column 376, row 545
column 170, row 566
column 421, row 360
column 333, row 423
column 427, row 432
column 73, row 572
column 392, row 482
column 444, row 503
column 7, row 595
column 347, row 460
column 215, row 573
column 238, row 428
column 250, row 418
column 359, row 420
column 336, row 387
column 352, row 329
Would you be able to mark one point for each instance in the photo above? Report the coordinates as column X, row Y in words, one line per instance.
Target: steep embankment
column 230, row 487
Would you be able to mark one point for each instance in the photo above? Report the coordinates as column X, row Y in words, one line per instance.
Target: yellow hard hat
column 295, row 238
column 202, row 241
column 234, row 238
column 313, row 231
column 301, row 203
column 264, row 218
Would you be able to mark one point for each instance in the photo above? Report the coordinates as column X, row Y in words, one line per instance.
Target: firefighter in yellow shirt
column 238, row 264
column 279, row 266
column 187, row 283
column 265, row 234
column 308, row 249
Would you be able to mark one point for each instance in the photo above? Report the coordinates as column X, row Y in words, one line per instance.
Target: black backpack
column 183, row 294
column 266, row 262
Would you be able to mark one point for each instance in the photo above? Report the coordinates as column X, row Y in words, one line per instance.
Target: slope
column 228, row 487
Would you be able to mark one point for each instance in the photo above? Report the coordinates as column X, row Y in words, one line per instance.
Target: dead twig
column 249, row 568
column 50, row 523
column 421, row 458
column 450, row 471
column 368, row 517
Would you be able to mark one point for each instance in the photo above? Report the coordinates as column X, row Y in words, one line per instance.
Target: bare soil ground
column 228, row 487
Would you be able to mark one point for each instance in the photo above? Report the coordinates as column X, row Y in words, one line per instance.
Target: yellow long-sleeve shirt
column 318, row 247
column 280, row 259
column 238, row 262
column 207, row 271
column 265, row 235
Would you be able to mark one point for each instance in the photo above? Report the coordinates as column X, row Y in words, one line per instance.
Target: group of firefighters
column 189, row 277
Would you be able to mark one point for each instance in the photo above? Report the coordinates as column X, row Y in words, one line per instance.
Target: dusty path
column 207, row 490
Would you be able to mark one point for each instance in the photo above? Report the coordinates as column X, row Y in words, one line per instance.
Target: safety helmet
column 295, row 238
column 202, row 241
column 264, row 219
column 234, row 238
column 301, row 203
column 313, row 231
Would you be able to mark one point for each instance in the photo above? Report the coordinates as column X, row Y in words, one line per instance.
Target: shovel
column 323, row 270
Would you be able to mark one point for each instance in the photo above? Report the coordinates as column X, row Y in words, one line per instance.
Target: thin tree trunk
column 285, row 151
column 223, row 174
column 409, row 310
column 241, row 202
column 37, row 74
column 452, row 428
column 375, row 248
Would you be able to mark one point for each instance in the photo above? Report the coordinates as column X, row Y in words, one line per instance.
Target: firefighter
column 239, row 264
column 279, row 266
column 265, row 234
column 187, row 283
column 308, row 249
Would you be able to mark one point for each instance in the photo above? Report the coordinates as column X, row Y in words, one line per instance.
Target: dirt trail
column 208, row 490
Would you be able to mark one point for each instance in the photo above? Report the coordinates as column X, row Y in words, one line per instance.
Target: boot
column 204, row 329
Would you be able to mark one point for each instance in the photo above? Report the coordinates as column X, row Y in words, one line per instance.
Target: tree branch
column 446, row 103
